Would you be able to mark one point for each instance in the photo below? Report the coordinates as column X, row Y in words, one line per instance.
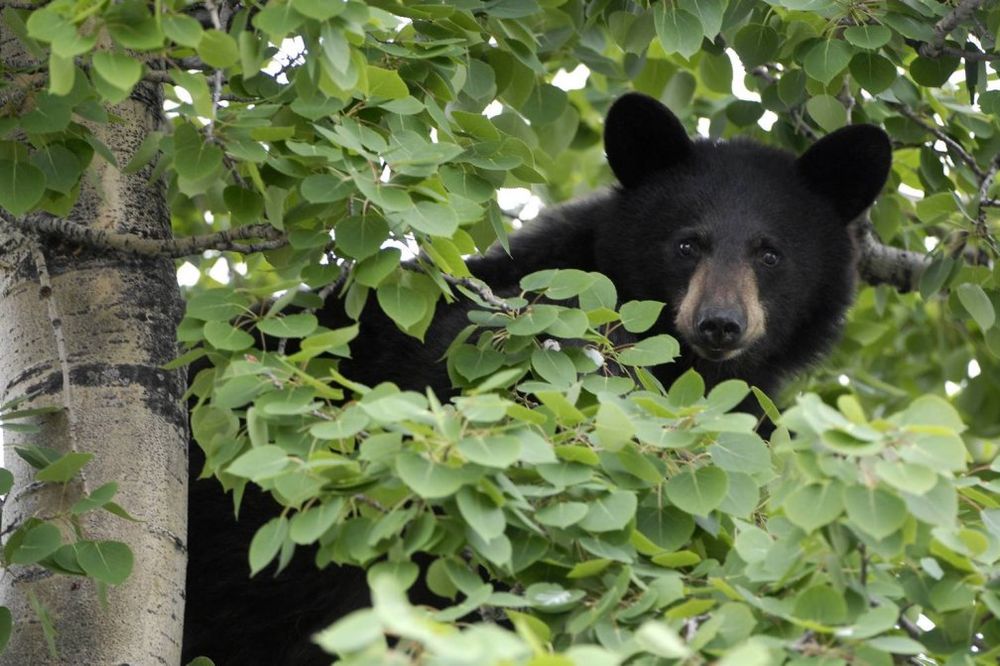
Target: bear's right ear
column 849, row 167
column 641, row 136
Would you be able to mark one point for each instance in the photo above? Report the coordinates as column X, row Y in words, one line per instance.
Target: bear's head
column 748, row 245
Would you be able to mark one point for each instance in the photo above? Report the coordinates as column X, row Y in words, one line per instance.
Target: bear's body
column 748, row 246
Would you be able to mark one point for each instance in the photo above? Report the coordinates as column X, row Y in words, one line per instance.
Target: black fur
column 734, row 197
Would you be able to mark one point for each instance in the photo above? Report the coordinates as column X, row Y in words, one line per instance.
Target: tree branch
column 884, row 264
column 961, row 13
column 982, row 228
column 74, row 232
column 482, row 290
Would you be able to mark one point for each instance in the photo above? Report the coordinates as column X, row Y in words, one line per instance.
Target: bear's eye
column 770, row 258
column 687, row 248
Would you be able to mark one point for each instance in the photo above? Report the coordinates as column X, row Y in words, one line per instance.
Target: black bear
column 749, row 246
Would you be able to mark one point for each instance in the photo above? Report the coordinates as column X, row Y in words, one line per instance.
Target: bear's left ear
column 849, row 167
column 641, row 137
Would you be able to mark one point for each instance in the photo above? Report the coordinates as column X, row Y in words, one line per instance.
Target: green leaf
column 217, row 305
column 911, row 478
column 350, row 422
column 107, row 561
column 613, row 427
column 562, row 514
column 977, row 303
column 667, row 528
column 51, row 114
column 48, row 25
column 321, row 10
column 474, row 362
column 38, row 543
column 933, row 72
column 267, row 542
column 896, row 645
column 491, row 450
column 65, row 468
column 132, row 26
column 21, row 186
column 62, row 74
column 428, row 479
column 826, row 59
column 534, row 320
column 118, row 69
column 687, row 389
column 678, row 31
column 6, row 481
column 60, row 166
column 726, row 395
column 290, row 326
column 874, row 511
column 480, row 513
column 815, row 505
column 246, row 206
column 740, row 452
column 874, row 72
column 554, row 367
column 194, row 158
column 610, row 512
column 403, row 305
column 639, row 316
column 278, row 19
column 938, row 506
column 263, row 462
column 223, row 335
column 708, row 12
column 218, row 49
column 756, row 45
column 385, row 83
column 434, row 219
column 821, row 603
column 698, row 492
column 868, row 35
column 360, row 237
column 354, row 631
column 96, row 499
column 827, row 111
column 662, row 640
column 182, row 29
column 655, row 350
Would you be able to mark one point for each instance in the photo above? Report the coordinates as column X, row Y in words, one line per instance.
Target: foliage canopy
column 608, row 519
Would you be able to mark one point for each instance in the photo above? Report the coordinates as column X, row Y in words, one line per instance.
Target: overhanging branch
column 267, row 238
column 884, row 264
column 878, row 263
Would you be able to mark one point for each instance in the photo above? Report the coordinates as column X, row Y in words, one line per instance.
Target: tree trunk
column 87, row 332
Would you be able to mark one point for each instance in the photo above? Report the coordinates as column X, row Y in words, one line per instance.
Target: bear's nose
column 721, row 328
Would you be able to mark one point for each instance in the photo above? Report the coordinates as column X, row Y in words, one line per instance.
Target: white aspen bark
column 88, row 331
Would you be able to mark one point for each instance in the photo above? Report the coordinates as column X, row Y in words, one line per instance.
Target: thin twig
column 47, row 294
column 213, row 13
column 943, row 136
column 74, row 232
column 482, row 290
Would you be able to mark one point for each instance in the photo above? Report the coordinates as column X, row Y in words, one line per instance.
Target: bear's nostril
column 720, row 329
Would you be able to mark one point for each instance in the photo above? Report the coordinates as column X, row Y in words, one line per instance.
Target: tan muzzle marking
column 722, row 286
